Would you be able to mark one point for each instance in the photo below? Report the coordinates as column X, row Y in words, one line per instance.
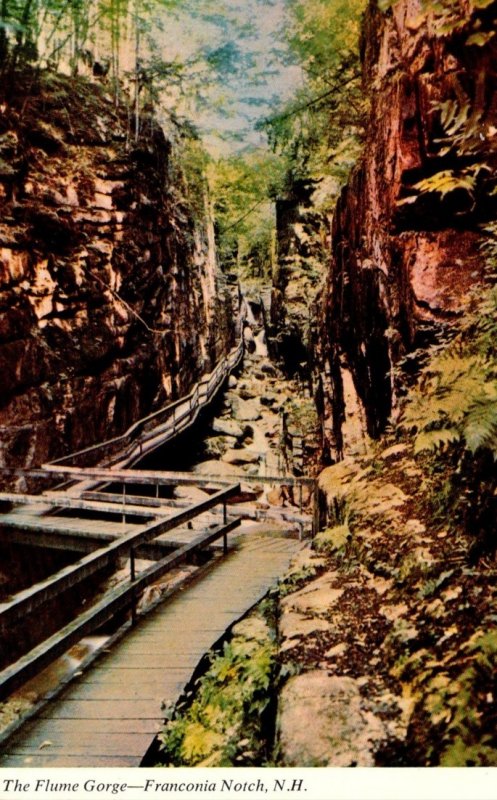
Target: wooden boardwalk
column 109, row 716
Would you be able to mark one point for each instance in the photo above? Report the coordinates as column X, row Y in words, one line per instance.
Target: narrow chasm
column 248, row 271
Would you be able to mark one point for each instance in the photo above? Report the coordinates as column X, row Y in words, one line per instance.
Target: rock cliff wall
column 406, row 232
column 110, row 299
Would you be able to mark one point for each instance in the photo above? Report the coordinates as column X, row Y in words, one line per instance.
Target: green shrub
column 224, row 725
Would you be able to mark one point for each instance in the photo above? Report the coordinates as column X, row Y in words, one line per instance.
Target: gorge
column 356, row 259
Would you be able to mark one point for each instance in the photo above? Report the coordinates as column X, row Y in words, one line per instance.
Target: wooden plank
column 62, row 500
column 169, row 478
column 144, row 689
column 80, row 744
column 84, row 542
column 26, row 601
column 115, row 600
column 110, row 709
column 145, row 661
column 146, row 477
column 133, row 499
column 90, row 527
column 114, row 676
column 43, row 759
column 46, row 728
column 96, row 699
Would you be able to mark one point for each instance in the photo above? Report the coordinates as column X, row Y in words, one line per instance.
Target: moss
column 332, row 539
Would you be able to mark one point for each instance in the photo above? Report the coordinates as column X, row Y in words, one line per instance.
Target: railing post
column 225, row 513
column 300, row 496
column 124, row 504
column 315, row 510
column 132, row 578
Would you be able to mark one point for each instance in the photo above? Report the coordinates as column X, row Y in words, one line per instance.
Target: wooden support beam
column 87, row 542
column 138, row 476
column 119, row 598
column 132, row 499
column 122, row 475
column 27, row 600
column 63, row 500
column 117, row 475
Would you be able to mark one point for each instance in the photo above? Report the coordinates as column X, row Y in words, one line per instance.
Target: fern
column 480, row 428
column 455, row 400
column 435, row 439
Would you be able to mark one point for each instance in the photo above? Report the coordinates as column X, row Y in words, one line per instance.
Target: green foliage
column 457, row 704
column 319, row 131
column 295, row 580
column 223, row 726
column 462, row 130
column 243, row 189
column 455, row 400
column 452, row 415
column 447, row 181
column 332, row 539
column 448, row 17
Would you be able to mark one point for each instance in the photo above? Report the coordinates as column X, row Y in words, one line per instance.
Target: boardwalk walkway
column 110, row 715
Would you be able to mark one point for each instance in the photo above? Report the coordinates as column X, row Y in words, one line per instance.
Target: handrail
column 148, row 433
column 25, row 601
column 119, row 598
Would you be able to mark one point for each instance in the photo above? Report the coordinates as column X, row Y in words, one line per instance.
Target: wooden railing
column 149, row 433
column 119, row 598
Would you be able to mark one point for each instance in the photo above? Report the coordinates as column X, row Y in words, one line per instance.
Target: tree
column 244, row 187
column 319, row 131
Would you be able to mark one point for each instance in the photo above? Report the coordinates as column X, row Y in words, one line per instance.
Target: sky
column 262, row 76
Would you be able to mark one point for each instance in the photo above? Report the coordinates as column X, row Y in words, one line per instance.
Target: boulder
column 293, row 625
column 245, row 410
column 217, row 446
column 227, row 427
column 267, row 368
column 242, row 456
column 331, row 706
column 217, row 468
column 317, row 597
column 251, row 469
column 192, row 493
column 275, row 496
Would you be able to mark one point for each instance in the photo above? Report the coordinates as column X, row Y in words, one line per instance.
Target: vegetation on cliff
column 378, row 186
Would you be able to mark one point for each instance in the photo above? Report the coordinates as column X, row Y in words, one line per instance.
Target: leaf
column 447, row 181
column 480, row 39
column 199, row 742
column 435, row 440
column 480, row 429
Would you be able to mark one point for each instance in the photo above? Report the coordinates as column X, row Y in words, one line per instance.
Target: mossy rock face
column 332, row 539
column 334, row 481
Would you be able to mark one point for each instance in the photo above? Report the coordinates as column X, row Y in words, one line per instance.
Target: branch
column 315, row 101
column 247, row 214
